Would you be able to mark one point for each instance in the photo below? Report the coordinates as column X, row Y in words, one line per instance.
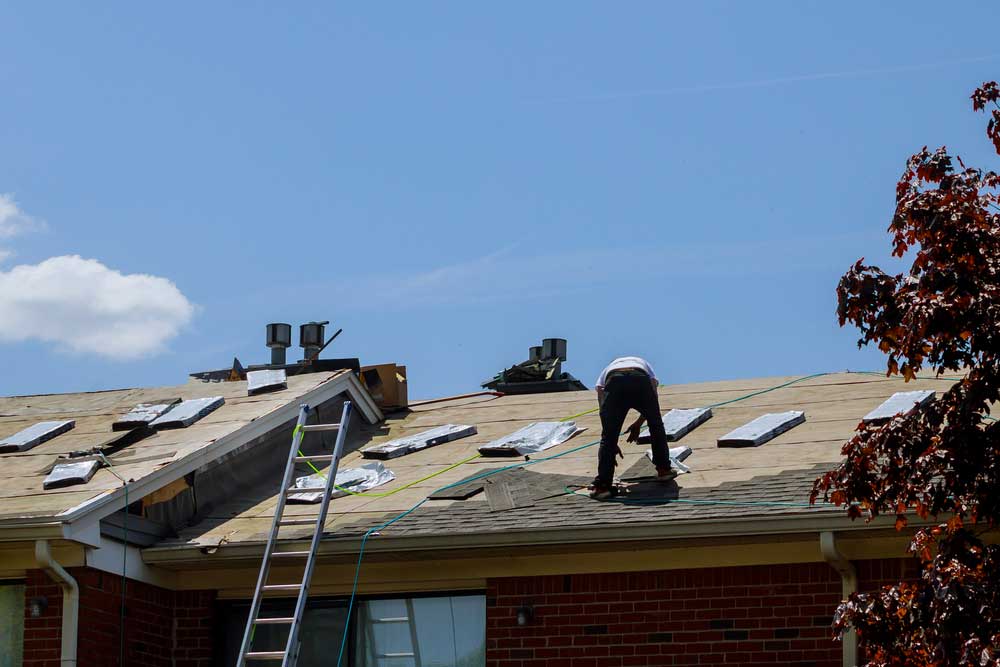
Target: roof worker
column 628, row 383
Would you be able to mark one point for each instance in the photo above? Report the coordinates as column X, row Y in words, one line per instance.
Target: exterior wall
column 760, row 615
column 162, row 627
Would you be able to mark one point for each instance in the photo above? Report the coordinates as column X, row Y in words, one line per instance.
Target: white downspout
column 849, row 584
column 71, row 601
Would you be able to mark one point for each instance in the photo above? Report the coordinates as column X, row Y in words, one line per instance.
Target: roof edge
column 638, row 532
column 112, row 500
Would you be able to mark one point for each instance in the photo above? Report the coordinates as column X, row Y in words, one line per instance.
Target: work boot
column 600, row 491
column 666, row 474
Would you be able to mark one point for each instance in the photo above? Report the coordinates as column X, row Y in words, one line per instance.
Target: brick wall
column 759, row 615
column 162, row 627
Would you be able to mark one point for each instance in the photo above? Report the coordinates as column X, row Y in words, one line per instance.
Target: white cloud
column 13, row 221
column 85, row 307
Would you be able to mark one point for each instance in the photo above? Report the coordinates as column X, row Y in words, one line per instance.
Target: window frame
column 228, row 606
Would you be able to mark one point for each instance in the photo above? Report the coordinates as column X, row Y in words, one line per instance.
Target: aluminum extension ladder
column 289, row 656
column 375, row 655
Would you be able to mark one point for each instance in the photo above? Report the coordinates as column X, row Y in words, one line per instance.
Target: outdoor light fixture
column 37, row 606
column 525, row 614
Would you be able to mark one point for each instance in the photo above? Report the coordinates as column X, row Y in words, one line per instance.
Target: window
column 421, row 632
column 321, row 632
column 409, row 632
column 11, row 624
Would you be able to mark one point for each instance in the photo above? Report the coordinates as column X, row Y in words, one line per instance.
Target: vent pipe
column 311, row 338
column 554, row 348
column 279, row 338
column 535, row 353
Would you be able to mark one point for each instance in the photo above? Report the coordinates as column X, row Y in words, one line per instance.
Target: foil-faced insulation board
column 143, row 414
column 187, row 412
column 34, row 435
column 902, row 402
column 356, row 480
column 533, row 438
column 763, row 428
column 260, row 382
column 677, row 456
column 678, row 423
column 422, row 440
column 68, row 474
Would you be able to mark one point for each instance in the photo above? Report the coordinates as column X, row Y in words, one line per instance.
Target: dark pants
column 631, row 390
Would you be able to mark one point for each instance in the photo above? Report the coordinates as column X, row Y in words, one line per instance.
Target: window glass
column 320, row 635
column 421, row 632
column 11, row 624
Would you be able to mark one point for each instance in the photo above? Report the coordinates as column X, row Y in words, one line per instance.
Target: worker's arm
column 600, row 396
column 633, row 430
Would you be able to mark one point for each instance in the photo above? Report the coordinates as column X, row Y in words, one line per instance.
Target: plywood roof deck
column 782, row 468
column 21, row 474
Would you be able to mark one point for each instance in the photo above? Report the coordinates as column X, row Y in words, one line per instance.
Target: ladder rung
column 283, row 620
column 289, row 554
column 317, row 457
column 265, row 655
column 320, row 427
column 282, row 587
column 297, row 522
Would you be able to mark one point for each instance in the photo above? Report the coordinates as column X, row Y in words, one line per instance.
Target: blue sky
column 451, row 182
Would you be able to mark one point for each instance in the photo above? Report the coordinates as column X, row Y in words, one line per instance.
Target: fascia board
column 673, row 530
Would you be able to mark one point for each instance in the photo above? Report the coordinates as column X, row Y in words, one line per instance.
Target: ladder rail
column 272, row 539
column 331, row 476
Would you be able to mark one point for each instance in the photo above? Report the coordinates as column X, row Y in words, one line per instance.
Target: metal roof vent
column 541, row 373
column 279, row 338
column 311, row 338
column 554, row 348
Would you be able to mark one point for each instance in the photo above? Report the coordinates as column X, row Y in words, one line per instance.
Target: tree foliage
column 941, row 462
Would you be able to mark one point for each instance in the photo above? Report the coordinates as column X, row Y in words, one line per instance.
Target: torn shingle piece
column 34, row 435
column 144, row 413
column 762, row 429
column 187, row 412
column 507, row 493
column 68, row 474
column 356, row 480
column 679, row 422
column 644, row 467
column 533, row 438
column 465, row 488
column 422, row 440
column 259, row 382
column 902, row 402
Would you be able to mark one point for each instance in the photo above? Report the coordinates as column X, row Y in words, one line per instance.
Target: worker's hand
column 619, row 452
column 633, row 432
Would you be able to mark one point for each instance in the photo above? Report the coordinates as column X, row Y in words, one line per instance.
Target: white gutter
column 71, row 601
column 849, row 584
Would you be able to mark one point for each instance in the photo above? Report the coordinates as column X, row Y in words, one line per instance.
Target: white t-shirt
column 625, row 362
